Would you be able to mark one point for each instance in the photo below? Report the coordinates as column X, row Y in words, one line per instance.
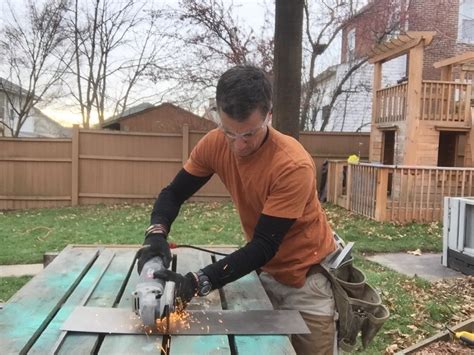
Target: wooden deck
column 105, row 276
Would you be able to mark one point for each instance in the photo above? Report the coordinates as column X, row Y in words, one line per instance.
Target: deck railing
column 391, row 104
column 396, row 193
column 445, row 101
column 442, row 101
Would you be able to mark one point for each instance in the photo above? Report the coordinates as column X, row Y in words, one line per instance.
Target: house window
column 351, row 45
column 466, row 21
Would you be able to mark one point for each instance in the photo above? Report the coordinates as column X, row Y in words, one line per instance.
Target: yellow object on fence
column 353, row 159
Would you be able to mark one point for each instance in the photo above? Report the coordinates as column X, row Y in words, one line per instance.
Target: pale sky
column 249, row 12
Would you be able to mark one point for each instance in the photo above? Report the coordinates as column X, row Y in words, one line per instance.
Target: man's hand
column 186, row 286
column 154, row 245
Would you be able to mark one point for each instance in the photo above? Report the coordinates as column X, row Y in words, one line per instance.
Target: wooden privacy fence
column 98, row 166
column 396, row 193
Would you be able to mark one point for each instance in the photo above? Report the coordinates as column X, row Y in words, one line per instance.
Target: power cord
column 174, row 246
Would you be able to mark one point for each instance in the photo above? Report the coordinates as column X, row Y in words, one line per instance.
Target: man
column 271, row 179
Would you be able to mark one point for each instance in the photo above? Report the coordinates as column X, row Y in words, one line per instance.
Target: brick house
column 164, row 118
column 451, row 20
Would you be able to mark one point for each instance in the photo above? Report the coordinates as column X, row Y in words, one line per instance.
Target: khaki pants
column 315, row 302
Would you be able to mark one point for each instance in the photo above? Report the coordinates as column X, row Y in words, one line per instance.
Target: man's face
column 244, row 138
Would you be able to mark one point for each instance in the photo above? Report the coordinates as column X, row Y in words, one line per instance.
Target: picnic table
column 105, row 276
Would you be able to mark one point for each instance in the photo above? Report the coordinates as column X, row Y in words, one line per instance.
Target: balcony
column 441, row 102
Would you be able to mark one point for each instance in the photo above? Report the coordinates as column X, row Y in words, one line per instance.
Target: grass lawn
column 418, row 308
column 29, row 234
column 9, row 285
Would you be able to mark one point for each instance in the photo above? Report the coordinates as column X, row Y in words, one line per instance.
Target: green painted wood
column 51, row 334
column 104, row 295
column 193, row 260
column 247, row 293
column 243, row 294
column 128, row 344
column 28, row 312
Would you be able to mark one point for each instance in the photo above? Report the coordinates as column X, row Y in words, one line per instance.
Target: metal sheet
column 123, row 321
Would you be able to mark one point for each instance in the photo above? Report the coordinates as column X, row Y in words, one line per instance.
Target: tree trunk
column 287, row 66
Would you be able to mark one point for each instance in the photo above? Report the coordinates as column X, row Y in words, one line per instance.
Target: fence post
column 348, row 186
column 328, row 183
column 75, row 165
column 337, row 181
column 381, row 194
column 185, row 143
column 467, row 107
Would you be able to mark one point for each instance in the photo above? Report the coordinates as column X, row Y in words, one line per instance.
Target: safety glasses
column 246, row 135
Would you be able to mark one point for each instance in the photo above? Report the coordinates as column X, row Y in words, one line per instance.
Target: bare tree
column 357, row 87
column 212, row 33
column 114, row 45
column 34, row 57
column 383, row 18
column 323, row 23
column 214, row 39
column 338, row 90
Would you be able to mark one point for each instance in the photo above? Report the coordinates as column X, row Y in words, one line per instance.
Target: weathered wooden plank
column 104, row 295
column 126, row 344
column 192, row 260
column 247, row 293
column 52, row 333
column 29, row 311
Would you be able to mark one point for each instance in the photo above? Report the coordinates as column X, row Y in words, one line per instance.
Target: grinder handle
column 152, row 265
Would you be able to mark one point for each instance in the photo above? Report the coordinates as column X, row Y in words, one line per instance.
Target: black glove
column 154, row 245
column 186, row 286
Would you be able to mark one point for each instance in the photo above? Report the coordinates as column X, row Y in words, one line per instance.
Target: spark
column 177, row 320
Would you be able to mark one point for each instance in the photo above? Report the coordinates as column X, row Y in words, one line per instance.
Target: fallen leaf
column 391, row 349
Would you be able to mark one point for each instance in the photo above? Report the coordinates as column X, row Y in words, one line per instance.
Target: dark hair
column 241, row 90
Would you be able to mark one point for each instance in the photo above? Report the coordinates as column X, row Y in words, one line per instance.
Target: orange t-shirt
column 277, row 180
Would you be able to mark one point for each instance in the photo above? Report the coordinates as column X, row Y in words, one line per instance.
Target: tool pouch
column 358, row 304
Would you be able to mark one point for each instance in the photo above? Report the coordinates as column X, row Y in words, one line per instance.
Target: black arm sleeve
column 170, row 199
column 269, row 233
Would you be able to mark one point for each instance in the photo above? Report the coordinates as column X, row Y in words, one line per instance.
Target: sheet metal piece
column 124, row 321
